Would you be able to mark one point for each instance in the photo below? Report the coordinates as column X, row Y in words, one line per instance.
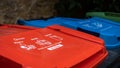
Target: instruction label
column 48, row 41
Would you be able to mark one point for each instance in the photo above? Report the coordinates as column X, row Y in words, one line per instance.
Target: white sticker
column 55, row 47
column 87, row 25
column 97, row 25
column 39, row 44
column 18, row 39
column 94, row 25
column 43, row 42
column 28, row 47
column 55, row 37
column 18, row 42
column 34, row 38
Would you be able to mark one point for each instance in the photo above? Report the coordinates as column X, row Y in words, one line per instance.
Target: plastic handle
column 111, row 40
column 112, row 14
column 21, row 22
column 89, row 32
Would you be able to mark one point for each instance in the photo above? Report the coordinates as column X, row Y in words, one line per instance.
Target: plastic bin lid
column 48, row 22
column 11, row 29
column 36, row 23
column 107, row 30
column 64, row 21
column 53, row 47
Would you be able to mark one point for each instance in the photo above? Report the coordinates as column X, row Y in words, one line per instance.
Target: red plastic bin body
column 53, row 47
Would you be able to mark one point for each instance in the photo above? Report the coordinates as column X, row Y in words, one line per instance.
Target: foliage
column 106, row 5
column 78, row 8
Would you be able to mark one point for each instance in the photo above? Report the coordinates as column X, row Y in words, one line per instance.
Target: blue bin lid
column 35, row 23
column 107, row 30
column 56, row 20
column 67, row 22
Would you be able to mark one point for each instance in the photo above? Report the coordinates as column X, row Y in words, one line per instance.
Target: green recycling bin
column 107, row 15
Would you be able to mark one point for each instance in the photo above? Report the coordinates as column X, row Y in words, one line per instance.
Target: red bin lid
column 53, row 47
column 10, row 29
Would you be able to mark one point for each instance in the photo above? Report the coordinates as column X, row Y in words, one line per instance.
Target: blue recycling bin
column 109, row 31
column 56, row 20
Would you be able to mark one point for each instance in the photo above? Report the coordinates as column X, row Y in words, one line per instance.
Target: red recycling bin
column 51, row 47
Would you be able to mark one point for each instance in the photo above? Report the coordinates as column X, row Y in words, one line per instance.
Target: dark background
column 12, row 10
